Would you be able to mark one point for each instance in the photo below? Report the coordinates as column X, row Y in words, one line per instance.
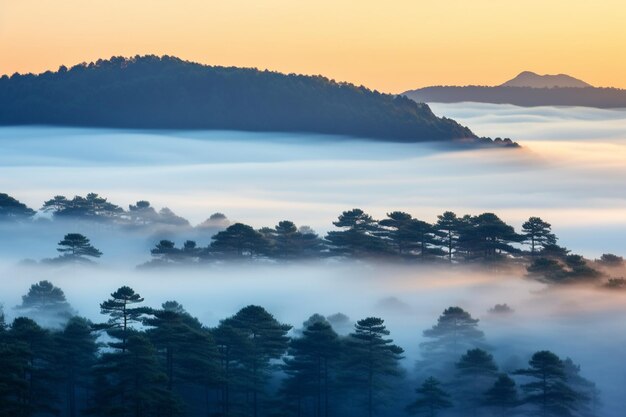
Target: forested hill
column 523, row 96
column 168, row 93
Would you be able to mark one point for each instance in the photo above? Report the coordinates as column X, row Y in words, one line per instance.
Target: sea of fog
column 571, row 170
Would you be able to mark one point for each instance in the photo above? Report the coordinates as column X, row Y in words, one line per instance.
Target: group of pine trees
column 145, row 362
column 483, row 238
column 468, row 238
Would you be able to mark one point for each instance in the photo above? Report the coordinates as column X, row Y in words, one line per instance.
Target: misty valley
column 226, row 273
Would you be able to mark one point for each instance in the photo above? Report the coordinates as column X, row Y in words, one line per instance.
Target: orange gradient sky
column 391, row 45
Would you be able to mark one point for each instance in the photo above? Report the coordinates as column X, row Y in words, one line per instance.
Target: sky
column 389, row 46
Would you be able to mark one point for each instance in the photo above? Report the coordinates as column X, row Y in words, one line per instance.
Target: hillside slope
column 168, row 93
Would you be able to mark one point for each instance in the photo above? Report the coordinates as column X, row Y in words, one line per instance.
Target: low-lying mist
column 570, row 172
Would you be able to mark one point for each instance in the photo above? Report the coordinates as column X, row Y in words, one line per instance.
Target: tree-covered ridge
column 141, row 361
column 523, row 96
column 154, row 92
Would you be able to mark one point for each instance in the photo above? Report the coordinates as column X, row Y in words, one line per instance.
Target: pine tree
column 589, row 394
column 502, row 395
column 456, row 330
column 15, row 358
column 232, row 344
column 537, row 234
column 372, row 360
column 310, row 362
column 266, row 341
column 46, row 304
column 76, row 248
column 121, row 314
column 239, row 241
column 14, row 210
column 409, row 236
column 486, row 237
column 132, row 383
column 77, row 352
column 548, row 390
column 361, row 236
column 476, row 371
column 187, row 351
column 290, row 243
column 432, row 399
column 40, row 375
column 447, row 227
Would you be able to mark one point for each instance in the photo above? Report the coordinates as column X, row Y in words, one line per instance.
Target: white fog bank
column 571, row 171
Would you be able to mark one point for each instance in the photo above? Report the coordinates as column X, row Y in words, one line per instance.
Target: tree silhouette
column 267, row 340
column 502, row 395
column 238, row 241
column 360, row 237
column 133, row 383
column 537, row 233
column 447, row 227
column 455, row 331
column 432, row 399
column 46, row 303
column 372, row 360
column 476, row 371
column 14, row 210
column 122, row 315
column 548, row 390
column 311, row 359
column 77, row 353
column 76, row 247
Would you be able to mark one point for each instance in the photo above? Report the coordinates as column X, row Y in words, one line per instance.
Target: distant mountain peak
column 534, row 80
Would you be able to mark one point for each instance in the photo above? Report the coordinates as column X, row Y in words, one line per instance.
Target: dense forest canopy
column 523, row 96
column 168, row 93
column 141, row 361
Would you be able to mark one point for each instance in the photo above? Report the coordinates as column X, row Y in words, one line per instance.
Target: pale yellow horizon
column 389, row 46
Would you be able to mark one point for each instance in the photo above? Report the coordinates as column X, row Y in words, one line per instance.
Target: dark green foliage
column 448, row 227
column 122, row 315
column 15, row 366
column 289, row 243
column 77, row 353
column 238, row 241
column 91, row 207
column 502, row 395
column 456, row 330
column 361, row 236
column 46, row 304
column 571, row 269
column 13, row 210
column 132, row 383
column 537, row 233
column 608, row 259
column 476, row 371
column 166, row 92
column 548, row 391
column 486, row 237
column 432, row 399
column 408, row 236
column 76, row 248
column 588, row 402
column 187, row 350
column 311, row 366
column 36, row 346
column 261, row 339
column 166, row 252
column 372, row 361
